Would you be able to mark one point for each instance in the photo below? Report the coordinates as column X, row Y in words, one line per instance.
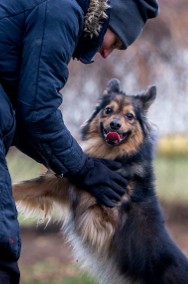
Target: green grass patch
column 67, row 280
column 84, row 279
column 172, row 178
column 22, row 167
column 56, row 273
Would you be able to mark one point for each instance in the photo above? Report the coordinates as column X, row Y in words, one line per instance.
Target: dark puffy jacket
column 37, row 40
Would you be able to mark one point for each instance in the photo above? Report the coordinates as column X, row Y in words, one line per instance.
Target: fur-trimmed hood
column 94, row 17
column 96, row 21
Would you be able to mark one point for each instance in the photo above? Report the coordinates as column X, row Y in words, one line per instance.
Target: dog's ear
column 113, row 86
column 148, row 97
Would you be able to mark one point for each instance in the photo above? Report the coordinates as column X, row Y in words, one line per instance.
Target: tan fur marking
column 96, row 224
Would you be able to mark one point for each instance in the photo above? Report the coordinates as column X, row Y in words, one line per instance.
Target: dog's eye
column 129, row 115
column 108, row 110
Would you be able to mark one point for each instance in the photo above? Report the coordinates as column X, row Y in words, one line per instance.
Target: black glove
column 98, row 177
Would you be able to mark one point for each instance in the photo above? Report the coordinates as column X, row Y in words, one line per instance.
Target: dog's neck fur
column 96, row 147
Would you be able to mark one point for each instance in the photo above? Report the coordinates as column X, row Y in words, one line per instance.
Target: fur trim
column 95, row 14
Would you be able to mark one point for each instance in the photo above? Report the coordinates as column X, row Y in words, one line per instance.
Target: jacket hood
column 95, row 16
column 96, row 22
column 127, row 18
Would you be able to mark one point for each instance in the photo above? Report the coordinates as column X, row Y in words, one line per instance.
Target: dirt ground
column 45, row 252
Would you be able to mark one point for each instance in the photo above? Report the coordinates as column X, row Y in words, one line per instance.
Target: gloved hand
column 98, row 177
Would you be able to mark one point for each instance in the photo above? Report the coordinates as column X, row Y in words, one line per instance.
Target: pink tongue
column 112, row 137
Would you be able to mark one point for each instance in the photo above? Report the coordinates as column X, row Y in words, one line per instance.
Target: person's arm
column 51, row 33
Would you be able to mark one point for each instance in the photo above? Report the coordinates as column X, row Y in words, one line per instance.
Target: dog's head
column 119, row 120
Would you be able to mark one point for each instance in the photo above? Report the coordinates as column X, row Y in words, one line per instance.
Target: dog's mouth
column 114, row 137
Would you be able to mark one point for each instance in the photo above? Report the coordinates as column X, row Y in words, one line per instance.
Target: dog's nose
column 115, row 124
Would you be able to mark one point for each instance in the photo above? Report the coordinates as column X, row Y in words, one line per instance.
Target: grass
column 43, row 273
column 172, row 178
column 22, row 167
column 67, row 280
column 70, row 280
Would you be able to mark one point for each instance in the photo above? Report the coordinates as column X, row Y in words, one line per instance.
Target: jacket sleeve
column 51, row 33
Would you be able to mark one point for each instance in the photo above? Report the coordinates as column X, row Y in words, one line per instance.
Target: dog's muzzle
column 113, row 137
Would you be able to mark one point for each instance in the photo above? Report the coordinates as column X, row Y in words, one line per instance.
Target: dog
column 129, row 243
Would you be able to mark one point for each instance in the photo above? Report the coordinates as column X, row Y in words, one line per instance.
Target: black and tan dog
column 129, row 243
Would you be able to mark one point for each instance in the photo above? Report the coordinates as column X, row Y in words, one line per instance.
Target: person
column 38, row 38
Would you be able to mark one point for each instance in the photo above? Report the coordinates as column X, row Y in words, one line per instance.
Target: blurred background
column 158, row 57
